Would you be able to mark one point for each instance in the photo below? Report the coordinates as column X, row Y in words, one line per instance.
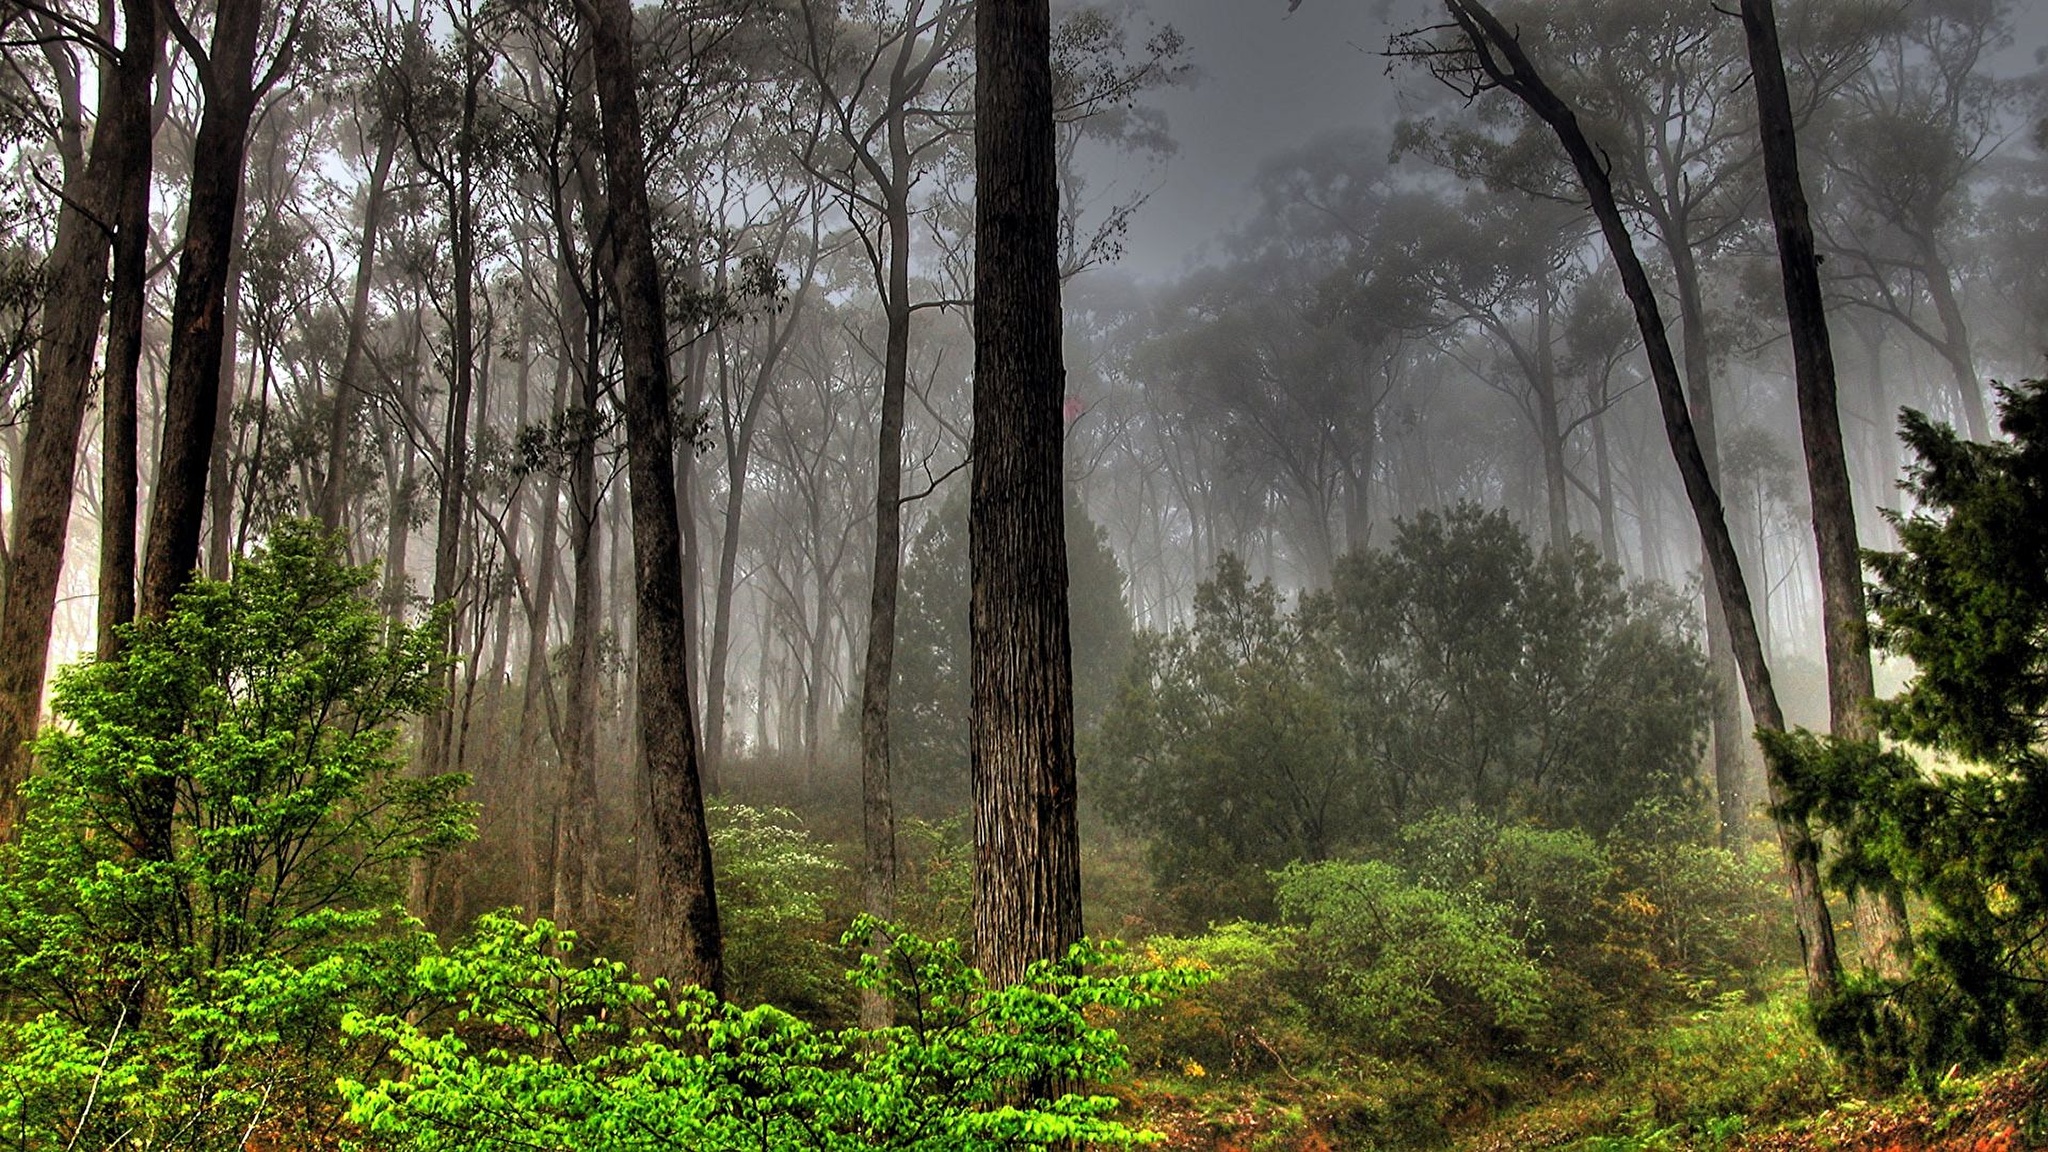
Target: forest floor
column 1742, row 1080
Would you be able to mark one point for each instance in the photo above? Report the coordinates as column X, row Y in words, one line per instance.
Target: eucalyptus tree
column 101, row 182
column 1474, row 54
column 1027, row 858
column 676, row 927
column 891, row 83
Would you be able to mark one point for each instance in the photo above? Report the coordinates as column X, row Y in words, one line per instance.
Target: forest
column 596, row 576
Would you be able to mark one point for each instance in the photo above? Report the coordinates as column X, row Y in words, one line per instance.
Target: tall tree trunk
column 128, row 309
column 878, row 806
column 1603, row 479
column 575, row 870
column 1955, row 331
column 1881, row 913
column 538, row 694
column 77, row 272
column 1556, row 484
column 1500, row 55
column 1027, row 859
column 220, row 482
column 341, row 415
column 676, row 930
column 198, row 332
column 1731, row 791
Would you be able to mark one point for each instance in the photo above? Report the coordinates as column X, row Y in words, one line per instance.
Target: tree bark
column 1880, row 914
column 1027, row 866
column 77, row 270
column 198, row 333
column 127, row 311
column 676, row 930
column 1501, row 58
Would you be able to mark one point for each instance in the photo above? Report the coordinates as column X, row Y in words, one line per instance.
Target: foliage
column 209, row 859
column 566, row 1056
column 928, row 734
column 1966, row 599
column 773, row 883
column 1225, row 747
column 1404, row 966
column 1458, row 668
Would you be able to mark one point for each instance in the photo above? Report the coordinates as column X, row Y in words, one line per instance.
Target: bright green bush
column 556, row 1055
column 209, row 862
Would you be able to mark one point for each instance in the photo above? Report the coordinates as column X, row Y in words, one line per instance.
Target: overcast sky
column 1271, row 81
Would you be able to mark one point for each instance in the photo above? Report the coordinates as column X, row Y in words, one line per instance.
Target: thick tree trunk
column 676, row 930
column 1027, row 860
column 1880, row 914
column 77, row 272
column 198, row 331
column 1501, row 57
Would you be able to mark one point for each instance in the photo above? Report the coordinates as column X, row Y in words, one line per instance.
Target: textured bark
column 71, row 323
column 1027, row 867
column 1881, row 914
column 192, row 381
column 1501, row 58
column 676, row 930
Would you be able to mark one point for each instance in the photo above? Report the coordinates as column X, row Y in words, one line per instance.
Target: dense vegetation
column 590, row 576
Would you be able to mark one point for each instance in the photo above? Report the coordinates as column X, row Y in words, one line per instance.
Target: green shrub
column 209, row 862
column 1249, row 1015
column 579, row 1057
column 1407, row 968
column 773, row 884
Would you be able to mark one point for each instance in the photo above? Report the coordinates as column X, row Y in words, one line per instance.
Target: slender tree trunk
column 341, row 415
column 142, row 52
column 1027, row 860
column 878, row 807
column 676, row 930
column 575, row 871
column 220, row 483
column 1880, row 914
column 1603, row 479
column 1556, row 485
column 1500, row 56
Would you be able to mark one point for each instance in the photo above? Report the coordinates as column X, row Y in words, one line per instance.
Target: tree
column 206, row 976
column 1485, row 54
column 1882, row 914
column 1027, row 860
column 99, row 187
column 914, row 125
column 676, row 912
